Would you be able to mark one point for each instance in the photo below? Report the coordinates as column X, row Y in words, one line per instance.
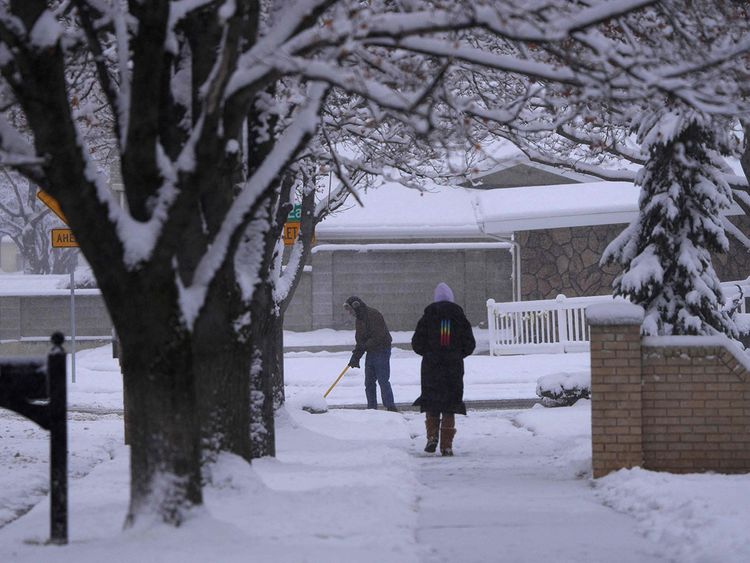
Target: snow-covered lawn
column 354, row 485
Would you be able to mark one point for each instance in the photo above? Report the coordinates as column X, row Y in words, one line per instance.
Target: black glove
column 354, row 360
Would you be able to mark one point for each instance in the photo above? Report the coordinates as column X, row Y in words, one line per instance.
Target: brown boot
column 432, row 423
column 447, row 432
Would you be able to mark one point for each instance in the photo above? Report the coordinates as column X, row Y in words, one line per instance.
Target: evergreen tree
column 666, row 252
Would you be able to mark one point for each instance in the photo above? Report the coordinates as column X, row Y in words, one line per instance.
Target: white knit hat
column 443, row 292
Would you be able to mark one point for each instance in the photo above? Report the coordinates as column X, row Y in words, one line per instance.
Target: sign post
column 291, row 227
column 64, row 238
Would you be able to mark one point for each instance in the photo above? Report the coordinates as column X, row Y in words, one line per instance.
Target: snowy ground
column 354, row 485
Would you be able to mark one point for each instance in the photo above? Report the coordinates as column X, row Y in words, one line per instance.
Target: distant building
column 394, row 250
column 522, row 230
column 10, row 257
column 562, row 231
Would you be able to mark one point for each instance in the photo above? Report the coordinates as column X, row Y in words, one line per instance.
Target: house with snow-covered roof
column 392, row 252
column 562, row 231
column 491, row 240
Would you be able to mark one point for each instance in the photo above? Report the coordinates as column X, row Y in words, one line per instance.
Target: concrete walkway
column 510, row 496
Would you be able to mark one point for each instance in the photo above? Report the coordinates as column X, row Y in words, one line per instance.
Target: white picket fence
column 558, row 325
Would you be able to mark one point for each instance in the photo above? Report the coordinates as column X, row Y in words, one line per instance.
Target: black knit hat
column 354, row 303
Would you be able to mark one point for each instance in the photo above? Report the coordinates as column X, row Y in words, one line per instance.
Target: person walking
column 372, row 338
column 443, row 338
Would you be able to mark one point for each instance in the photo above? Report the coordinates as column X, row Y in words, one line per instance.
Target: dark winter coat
column 443, row 338
column 371, row 333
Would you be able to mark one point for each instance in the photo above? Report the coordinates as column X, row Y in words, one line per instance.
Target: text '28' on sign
column 291, row 227
column 63, row 238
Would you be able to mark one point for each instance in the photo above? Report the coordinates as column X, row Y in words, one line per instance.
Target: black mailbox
column 36, row 389
column 23, row 381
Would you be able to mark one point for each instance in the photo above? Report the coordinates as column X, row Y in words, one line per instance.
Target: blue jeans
column 378, row 368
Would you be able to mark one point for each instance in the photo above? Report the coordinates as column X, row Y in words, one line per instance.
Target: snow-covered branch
column 304, row 125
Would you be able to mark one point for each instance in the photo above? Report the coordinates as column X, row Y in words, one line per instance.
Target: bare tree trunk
column 265, row 350
column 276, row 361
column 165, row 476
column 222, row 367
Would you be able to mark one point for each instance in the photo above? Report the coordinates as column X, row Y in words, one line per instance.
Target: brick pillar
column 616, row 413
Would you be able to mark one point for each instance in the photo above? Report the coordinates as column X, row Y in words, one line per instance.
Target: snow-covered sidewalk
column 512, row 494
column 355, row 486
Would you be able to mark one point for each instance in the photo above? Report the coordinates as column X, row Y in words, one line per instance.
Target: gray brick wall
column 298, row 315
column 10, row 318
column 400, row 284
column 43, row 315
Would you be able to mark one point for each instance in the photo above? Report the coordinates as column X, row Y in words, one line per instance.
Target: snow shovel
column 335, row 382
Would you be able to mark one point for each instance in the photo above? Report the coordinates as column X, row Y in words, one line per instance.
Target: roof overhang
column 508, row 210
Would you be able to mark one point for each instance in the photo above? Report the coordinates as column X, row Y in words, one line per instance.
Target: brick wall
column 696, row 409
column 678, row 404
column 616, row 419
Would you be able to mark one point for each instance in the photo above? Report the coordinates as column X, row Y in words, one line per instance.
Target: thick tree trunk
column 222, row 367
column 165, row 454
column 265, row 357
column 223, row 385
column 276, row 361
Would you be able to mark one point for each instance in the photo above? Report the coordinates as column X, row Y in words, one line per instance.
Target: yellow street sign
column 63, row 238
column 52, row 203
column 291, row 230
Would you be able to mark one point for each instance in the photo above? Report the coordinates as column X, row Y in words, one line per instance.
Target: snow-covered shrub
column 84, row 279
column 563, row 389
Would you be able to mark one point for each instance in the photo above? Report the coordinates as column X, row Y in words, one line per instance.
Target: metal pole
column 58, row 426
column 73, row 324
column 515, row 253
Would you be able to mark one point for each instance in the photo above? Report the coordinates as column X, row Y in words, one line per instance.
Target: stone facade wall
column 566, row 260
column 679, row 404
column 734, row 265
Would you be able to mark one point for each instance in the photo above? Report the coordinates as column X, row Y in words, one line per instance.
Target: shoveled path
column 486, row 404
column 510, row 496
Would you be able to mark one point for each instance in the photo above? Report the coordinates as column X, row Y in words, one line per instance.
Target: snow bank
column 342, row 488
column 691, row 518
column 568, row 429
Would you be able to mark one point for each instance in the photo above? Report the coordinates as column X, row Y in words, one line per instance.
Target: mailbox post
column 36, row 389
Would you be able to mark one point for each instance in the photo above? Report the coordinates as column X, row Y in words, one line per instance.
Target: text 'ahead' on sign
column 63, row 238
column 52, row 203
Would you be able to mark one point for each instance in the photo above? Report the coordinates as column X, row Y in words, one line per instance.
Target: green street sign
column 295, row 215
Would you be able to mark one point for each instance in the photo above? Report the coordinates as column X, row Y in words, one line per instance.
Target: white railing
column 548, row 326
column 559, row 325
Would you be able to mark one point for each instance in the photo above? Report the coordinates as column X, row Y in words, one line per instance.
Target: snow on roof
column 566, row 205
column 394, row 211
